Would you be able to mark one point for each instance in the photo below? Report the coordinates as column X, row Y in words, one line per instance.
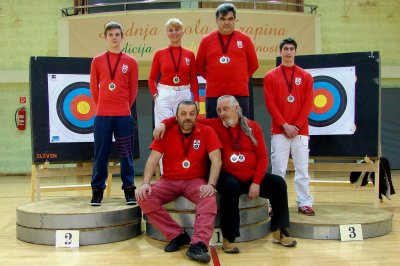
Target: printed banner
column 145, row 33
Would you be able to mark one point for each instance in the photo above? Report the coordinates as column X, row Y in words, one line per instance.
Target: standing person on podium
column 289, row 94
column 114, row 87
column 186, row 150
column 226, row 59
column 173, row 75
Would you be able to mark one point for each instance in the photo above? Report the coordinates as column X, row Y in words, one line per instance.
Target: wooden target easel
column 58, row 170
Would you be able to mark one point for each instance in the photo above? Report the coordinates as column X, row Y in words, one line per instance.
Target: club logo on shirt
column 239, row 44
column 187, row 60
column 297, row 81
column 196, row 144
column 124, row 68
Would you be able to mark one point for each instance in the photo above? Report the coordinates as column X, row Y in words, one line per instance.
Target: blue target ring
column 337, row 102
column 65, row 102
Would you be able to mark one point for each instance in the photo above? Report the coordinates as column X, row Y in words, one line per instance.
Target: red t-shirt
column 198, row 145
column 119, row 101
column 162, row 64
column 276, row 93
column 231, row 78
column 255, row 165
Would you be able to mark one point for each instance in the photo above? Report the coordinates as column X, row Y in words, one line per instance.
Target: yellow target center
column 320, row 101
column 83, row 107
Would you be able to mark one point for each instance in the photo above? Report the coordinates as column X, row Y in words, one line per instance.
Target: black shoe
column 130, row 195
column 97, row 197
column 177, row 242
column 199, row 252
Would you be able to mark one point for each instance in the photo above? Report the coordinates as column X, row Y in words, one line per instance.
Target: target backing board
column 334, row 101
column 62, row 111
column 345, row 120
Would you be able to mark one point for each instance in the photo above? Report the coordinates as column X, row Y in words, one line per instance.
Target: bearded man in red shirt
column 185, row 151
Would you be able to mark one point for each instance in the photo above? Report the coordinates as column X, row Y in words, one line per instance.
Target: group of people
column 224, row 153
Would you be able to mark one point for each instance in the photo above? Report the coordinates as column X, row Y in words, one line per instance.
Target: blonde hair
column 174, row 22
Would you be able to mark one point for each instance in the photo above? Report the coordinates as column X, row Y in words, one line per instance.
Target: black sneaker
column 177, row 242
column 199, row 252
column 130, row 195
column 97, row 197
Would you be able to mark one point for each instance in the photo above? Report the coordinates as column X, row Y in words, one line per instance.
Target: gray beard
column 227, row 124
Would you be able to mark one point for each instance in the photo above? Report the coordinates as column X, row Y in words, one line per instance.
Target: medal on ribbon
column 290, row 98
column 224, row 59
column 186, row 164
column 234, row 158
column 176, row 79
column 112, row 86
column 187, row 147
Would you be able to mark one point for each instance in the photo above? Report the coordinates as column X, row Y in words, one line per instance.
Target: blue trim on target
column 336, row 101
column 67, row 111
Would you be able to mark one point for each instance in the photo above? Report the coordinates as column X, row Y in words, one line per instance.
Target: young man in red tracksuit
column 243, row 171
column 114, row 86
column 226, row 59
column 288, row 93
column 185, row 150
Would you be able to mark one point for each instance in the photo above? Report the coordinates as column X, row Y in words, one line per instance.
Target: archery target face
column 71, row 108
column 333, row 109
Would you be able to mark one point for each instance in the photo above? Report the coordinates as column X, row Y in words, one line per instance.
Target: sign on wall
column 144, row 31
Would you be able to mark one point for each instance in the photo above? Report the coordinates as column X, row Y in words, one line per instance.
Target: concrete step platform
column 37, row 222
column 325, row 224
column 254, row 220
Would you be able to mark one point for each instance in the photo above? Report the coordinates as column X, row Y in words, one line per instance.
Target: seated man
column 244, row 170
column 184, row 150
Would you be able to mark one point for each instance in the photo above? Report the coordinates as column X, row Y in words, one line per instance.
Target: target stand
column 58, row 170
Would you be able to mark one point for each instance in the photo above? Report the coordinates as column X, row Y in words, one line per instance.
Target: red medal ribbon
column 112, row 74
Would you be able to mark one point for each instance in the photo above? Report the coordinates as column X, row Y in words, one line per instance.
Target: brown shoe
column 228, row 248
column 282, row 237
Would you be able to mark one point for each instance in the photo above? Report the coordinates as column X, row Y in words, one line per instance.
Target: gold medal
column 112, row 86
column 176, row 80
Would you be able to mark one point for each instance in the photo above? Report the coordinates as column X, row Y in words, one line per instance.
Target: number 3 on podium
column 350, row 232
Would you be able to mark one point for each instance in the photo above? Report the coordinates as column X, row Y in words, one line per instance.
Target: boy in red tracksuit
column 114, row 86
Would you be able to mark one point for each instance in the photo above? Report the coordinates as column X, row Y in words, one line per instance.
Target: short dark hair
column 186, row 102
column 113, row 25
column 287, row 41
column 224, row 9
